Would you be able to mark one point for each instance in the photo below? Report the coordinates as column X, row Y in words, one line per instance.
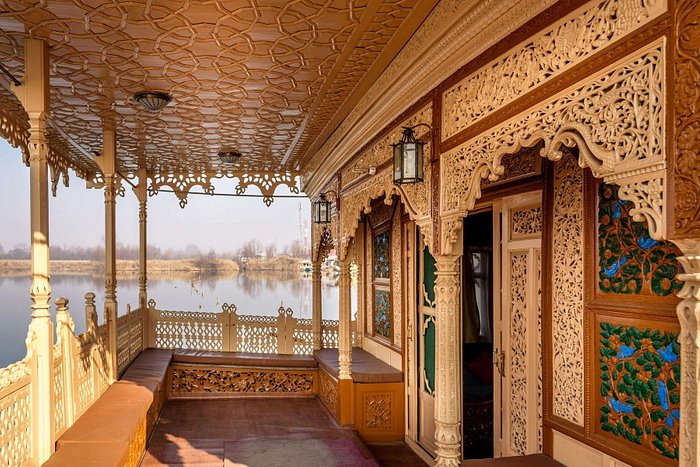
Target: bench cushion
column 532, row 460
column 244, row 359
column 366, row 368
column 114, row 418
column 149, row 368
column 89, row 455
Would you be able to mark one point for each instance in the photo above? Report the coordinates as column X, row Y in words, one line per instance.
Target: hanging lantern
column 322, row 210
column 408, row 158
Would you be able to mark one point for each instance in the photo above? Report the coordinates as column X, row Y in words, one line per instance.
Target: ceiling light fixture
column 229, row 157
column 152, row 100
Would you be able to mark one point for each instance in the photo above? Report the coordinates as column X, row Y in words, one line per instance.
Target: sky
column 76, row 214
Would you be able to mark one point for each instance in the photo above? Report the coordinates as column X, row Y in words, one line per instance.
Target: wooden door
column 425, row 338
column 517, row 326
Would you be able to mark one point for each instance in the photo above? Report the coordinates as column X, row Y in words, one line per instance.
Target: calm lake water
column 253, row 293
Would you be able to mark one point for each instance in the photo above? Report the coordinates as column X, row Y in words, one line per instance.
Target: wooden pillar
column 317, row 306
column 688, row 311
column 34, row 94
column 108, row 165
column 447, row 368
column 344, row 318
column 142, row 195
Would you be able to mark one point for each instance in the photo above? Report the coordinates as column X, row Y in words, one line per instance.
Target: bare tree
column 270, row 250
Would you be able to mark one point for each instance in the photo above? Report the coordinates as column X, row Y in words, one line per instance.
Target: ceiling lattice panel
column 264, row 77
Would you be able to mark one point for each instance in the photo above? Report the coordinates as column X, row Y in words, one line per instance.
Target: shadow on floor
column 261, row 432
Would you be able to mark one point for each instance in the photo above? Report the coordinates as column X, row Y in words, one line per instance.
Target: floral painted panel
column 631, row 262
column 381, row 255
column 640, row 384
column 382, row 313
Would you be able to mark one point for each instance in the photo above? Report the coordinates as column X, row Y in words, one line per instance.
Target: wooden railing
column 80, row 376
column 229, row 331
column 129, row 338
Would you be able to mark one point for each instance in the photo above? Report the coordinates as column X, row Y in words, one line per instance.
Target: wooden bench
column 372, row 403
column 201, row 374
column 114, row 430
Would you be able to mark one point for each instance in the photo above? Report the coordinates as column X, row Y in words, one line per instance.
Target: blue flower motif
column 612, row 270
column 674, row 414
column 668, row 354
column 625, row 351
column 619, row 406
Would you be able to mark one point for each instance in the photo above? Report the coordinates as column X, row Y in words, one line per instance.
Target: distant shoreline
column 131, row 267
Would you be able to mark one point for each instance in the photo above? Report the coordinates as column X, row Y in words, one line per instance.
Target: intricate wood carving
column 181, row 183
column 542, row 58
column 524, row 163
column 191, row 380
column 416, row 198
column 616, row 120
column 567, row 292
column 686, row 98
column 270, row 102
column 378, row 412
column 526, row 223
column 396, row 291
column 328, row 392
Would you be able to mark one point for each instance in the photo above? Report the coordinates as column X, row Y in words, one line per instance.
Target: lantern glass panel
column 409, row 161
column 397, row 161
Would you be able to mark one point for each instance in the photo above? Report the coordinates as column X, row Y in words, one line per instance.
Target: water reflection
column 253, row 292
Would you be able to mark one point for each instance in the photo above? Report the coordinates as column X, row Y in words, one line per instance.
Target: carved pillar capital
column 688, row 311
column 447, row 348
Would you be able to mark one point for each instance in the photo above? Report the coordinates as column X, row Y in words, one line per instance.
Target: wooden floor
column 243, row 432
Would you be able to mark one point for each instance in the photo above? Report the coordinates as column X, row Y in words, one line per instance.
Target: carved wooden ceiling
column 270, row 78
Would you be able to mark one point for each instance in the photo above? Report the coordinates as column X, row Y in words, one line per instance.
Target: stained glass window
column 381, row 255
column 382, row 313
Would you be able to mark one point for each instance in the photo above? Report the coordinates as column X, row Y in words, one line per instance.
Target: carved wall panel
column 567, row 292
column 629, row 261
column 328, row 392
column 543, row 57
column 615, row 118
column 639, row 378
column 378, row 412
column 396, row 260
column 686, row 123
column 203, row 381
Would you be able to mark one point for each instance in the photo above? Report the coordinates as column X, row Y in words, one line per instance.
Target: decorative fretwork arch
column 616, row 119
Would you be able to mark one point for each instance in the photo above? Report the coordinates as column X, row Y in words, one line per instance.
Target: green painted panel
column 429, row 353
column 640, row 380
column 428, row 276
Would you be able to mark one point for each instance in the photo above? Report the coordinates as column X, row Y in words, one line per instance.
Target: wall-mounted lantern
column 408, row 157
column 322, row 208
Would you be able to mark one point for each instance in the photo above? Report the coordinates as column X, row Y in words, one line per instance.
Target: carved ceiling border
column 617, row 120
column 426, row 61
column 182, row 183
column 542, row 58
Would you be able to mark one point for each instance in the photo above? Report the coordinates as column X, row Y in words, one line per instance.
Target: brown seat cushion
column 244, row 359
column 113, row 418
column 90, row 455
column 532, row 460
column 365, row 367
column 150, row 367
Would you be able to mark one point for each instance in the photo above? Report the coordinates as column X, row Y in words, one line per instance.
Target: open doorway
column 477, row 336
